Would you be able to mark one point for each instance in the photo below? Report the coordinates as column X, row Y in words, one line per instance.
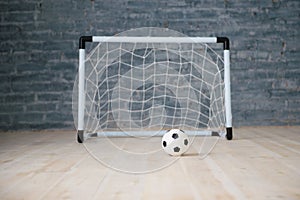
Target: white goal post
column 221, row 96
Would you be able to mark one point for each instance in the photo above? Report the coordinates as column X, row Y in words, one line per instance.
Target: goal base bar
column 80, row 134
column 151, row 133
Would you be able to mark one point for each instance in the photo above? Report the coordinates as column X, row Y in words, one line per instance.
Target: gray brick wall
column 39, row 50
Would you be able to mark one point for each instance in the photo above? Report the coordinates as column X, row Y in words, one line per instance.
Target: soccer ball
column 175, row 142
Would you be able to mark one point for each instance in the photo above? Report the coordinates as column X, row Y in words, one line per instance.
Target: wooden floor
column 260, row 163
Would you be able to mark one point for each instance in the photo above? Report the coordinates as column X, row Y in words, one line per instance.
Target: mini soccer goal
column 151, row 82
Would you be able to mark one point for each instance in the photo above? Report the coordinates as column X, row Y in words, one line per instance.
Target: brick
column 42, row 86
column 47, row 96
column 27, row 117
column 284, row 93
column 41, row 107
column 11, row 108
column 20, row 7
column 57, row 45
column 18, row 16
column 62, row 66
column 5, row 120
column 58, row 116
column 18, row 98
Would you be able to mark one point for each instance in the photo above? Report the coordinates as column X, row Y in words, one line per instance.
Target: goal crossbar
column 143, row 39
column 129, row 39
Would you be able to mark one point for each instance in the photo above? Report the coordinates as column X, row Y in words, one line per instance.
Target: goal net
column 149, row 83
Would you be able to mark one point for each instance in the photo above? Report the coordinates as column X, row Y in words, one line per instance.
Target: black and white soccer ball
column 175, row 142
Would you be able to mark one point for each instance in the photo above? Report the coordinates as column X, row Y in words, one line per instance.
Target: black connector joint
column 80, row 137
column 83, row 40
column 225, row 42
column 229, row 133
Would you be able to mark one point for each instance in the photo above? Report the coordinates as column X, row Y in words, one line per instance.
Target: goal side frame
column 81, row 70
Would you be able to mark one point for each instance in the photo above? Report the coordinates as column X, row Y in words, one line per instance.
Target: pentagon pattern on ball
column 176, row 149
column 164, row 143
column 175, row 136
column 186, row 142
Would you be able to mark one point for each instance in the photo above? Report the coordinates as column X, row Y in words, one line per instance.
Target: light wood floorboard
column 260, row 163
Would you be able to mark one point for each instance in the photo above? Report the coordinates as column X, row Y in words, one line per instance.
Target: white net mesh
column 152, row 86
